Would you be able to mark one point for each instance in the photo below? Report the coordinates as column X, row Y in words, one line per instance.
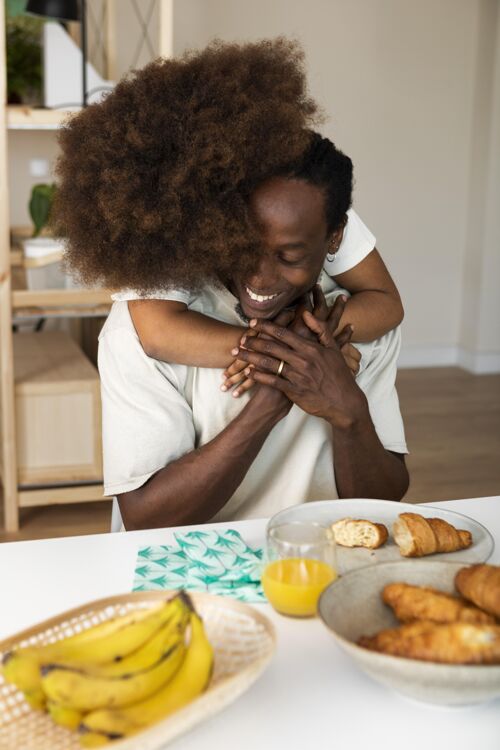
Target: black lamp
column 66, row 10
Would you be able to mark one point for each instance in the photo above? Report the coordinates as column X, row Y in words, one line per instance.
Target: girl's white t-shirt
column 357, row 243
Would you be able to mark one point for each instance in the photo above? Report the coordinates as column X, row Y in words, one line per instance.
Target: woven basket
column 243, row 642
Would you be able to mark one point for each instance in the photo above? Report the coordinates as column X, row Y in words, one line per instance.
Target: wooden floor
column 452, row 424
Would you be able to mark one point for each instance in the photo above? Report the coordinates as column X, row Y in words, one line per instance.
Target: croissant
column 452, row 643
column 417, row 536
column 353, row 532
column 411, row 603
column 480, row 584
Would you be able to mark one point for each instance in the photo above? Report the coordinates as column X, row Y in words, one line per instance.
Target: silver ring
column 281, row 366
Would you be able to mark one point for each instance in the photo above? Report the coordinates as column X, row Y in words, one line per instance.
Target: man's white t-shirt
column 155, row 412
column 357, row 242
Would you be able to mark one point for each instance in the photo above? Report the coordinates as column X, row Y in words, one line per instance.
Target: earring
column 331, row 256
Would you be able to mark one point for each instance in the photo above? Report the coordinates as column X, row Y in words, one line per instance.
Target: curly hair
column 154, row 180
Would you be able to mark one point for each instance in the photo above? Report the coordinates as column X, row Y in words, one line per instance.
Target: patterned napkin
column 213, row 561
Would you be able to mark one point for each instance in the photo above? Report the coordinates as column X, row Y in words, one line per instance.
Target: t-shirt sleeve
column 146, row 420
column 377, row 379
column 357, row 242
column 174, row 295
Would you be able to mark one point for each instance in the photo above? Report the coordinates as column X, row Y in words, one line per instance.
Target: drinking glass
column 300, row 563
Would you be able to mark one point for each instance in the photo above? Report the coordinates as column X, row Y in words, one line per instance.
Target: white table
column 311, row 695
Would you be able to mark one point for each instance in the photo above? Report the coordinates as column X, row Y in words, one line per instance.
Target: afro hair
column 154, row 181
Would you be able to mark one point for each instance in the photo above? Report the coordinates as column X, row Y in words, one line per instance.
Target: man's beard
column 239, row 312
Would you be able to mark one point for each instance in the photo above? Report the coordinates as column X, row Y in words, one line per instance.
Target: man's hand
column 236, row 375
column 314, row 374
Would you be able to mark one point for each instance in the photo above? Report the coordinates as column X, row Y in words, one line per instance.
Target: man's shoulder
column 118, row 320
column 120, row 351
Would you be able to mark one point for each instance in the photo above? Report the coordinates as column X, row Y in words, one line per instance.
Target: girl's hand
column 234, row 376
column 352, row 357
column 321, row 312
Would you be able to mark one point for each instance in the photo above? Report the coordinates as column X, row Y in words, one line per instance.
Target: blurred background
column 411, row 92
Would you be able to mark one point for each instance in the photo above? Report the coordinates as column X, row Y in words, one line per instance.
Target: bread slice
column 357, row 532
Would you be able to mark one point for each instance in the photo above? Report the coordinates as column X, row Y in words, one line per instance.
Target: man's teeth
column 259, row 297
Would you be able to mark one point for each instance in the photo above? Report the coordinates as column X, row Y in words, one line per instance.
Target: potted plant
column 24, row 54
column 43, row 253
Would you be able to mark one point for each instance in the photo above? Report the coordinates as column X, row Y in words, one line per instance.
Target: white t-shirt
column 154, row 413
column 357, row 242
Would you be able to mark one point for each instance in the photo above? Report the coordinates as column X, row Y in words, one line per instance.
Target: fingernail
column 234, row 351
column 243, row 339
column 236, row 394
column 223, row 387
column 343, row 298
column 253, row 323
column 247, row 371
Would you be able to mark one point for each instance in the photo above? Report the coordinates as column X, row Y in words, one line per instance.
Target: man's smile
column 259, row 297
column 258, row 302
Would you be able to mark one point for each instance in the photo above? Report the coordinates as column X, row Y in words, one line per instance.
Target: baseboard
column 479, row 363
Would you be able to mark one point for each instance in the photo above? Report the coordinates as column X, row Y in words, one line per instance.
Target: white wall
column 412, row 91
column 480, row 323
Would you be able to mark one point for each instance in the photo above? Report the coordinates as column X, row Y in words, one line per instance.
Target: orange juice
column 293, row 585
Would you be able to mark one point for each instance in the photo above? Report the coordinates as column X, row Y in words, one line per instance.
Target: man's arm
column 315, row 377
column 363, row 467
column 196, row 486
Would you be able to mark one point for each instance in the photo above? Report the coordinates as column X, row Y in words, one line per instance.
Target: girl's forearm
column 372, row 314
column 187, row 338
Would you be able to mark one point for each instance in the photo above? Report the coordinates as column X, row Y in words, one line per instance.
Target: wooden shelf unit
column 21, row 117
column 16, row 304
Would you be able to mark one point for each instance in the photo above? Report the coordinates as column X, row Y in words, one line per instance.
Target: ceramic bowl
column 352, row 606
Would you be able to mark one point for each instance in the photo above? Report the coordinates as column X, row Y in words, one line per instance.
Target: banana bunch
column 118, row 677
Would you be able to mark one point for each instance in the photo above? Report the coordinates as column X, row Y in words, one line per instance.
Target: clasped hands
column 307, row 361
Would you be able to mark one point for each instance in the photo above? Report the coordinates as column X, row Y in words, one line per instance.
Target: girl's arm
column 375, row 305
column 170, row 332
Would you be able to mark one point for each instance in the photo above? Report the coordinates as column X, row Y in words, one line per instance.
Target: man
column 179, row 451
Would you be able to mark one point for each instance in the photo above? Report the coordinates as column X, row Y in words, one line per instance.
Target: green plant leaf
column 15, row 7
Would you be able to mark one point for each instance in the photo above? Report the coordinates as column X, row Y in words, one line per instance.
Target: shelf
column 31, row 498
column 16, row 257
column 34, row 313
column 20, row 117
column 56, row 298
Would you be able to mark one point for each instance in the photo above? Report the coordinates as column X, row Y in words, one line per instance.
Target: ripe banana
column 22, row 670
column 76, row 689
column 64, row 716
column 111, row 641
column 36, row 699
column 188, row 682
column 150, row 653
column 142, row 659
column 95, row 739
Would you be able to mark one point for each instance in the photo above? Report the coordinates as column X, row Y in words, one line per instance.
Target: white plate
column 384, row 511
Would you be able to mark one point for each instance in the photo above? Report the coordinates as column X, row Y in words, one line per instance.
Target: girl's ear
column 335, row 237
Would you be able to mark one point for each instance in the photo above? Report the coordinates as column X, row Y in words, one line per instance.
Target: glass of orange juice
column 300, row 563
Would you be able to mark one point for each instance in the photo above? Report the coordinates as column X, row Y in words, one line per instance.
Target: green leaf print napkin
column 212, row 561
